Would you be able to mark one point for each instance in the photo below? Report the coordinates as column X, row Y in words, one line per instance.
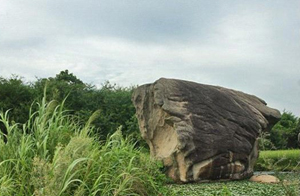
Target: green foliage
column 289, row 186
column 116, row 110
column 16, row 96
column 225, row 191
column 113, row 102
column 65, row 84
column 59, row 157
column 48, row 127
column 278, row 160
column 284, row 134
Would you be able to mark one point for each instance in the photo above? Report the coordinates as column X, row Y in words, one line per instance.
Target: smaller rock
column 264, row 178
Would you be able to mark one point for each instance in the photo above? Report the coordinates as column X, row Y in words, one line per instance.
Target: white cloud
column 250, row 46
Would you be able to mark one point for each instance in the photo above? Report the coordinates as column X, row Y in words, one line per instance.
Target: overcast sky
column 252, row 46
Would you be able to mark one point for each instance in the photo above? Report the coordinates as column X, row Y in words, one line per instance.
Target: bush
column 113, row 101
column 284, row 134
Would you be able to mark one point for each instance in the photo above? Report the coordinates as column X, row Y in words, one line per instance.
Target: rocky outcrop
column 201, row 132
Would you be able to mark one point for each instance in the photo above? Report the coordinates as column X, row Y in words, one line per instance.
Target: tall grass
column 51, row 155
column 279, row 160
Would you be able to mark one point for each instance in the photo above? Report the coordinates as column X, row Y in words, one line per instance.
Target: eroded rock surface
column 202, row 132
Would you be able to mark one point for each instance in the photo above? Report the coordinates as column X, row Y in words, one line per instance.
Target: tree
column 66, row 85
column 298, row 131
column 113, row 102
column 284, row 134
column 116, row 109
column 15, row 96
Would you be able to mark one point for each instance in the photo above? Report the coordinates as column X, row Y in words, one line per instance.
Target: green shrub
column 114, row 101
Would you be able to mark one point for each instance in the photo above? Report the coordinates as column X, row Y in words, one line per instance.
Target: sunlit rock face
column 202, row 132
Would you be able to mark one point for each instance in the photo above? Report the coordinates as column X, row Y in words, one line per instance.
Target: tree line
column 113, row 104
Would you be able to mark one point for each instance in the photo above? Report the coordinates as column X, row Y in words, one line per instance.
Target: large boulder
column 202, row 132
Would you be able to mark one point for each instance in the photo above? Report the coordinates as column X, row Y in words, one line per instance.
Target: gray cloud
column 250, row 46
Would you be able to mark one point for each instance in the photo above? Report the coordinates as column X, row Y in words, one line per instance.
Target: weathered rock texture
column 202, row 132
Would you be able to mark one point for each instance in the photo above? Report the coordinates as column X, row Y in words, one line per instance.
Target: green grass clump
column 52, row 155
column 278, row 160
